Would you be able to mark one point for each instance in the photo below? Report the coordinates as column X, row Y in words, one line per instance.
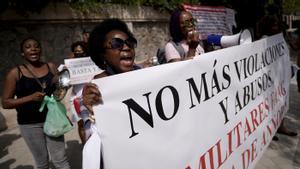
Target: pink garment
column 172, row 53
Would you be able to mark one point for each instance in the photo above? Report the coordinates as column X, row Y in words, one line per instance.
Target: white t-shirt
column 172, row 53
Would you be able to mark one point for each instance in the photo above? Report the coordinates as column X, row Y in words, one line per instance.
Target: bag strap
column 19, row 72
column 43, row 85
column 50, row 69
column 179, row 48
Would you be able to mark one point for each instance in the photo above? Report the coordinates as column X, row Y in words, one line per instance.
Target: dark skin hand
column 193, row 41
column 91, row 96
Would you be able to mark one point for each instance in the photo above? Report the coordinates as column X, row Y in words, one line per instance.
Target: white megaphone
column 243, row 37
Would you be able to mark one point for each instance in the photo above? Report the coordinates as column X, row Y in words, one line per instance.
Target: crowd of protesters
column 111, row 46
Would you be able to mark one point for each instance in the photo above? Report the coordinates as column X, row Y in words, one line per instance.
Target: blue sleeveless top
column 29, row 113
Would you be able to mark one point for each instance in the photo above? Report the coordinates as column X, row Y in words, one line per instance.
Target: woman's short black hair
column 97, row 39
column 174, row 26
column 26, row 39
column 79, row 43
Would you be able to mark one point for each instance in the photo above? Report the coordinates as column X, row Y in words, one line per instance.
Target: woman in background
column 30, row 82
column 78, row 49
column 184, row 36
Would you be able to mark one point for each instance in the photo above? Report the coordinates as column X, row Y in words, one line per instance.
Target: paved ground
column 14, row 153
column 282, row 154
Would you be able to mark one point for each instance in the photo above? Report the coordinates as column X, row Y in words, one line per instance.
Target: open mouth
column 34, row 55
column 189, row 29
column 126, row 60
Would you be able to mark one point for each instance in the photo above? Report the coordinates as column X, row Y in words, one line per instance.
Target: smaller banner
column 212, row 19
column 82, row 70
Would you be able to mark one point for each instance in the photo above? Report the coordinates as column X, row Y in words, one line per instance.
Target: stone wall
column 58, row 25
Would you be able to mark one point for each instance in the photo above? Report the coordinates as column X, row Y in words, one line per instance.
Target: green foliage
column 95, row 5
column 87, row 6
column 168, row 5
column 22, row 7
column 290, row 6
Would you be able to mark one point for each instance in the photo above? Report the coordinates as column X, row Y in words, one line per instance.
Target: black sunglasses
column 188, row 23
column 117, row 43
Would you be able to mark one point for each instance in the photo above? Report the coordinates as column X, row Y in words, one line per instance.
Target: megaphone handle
column 193, row 39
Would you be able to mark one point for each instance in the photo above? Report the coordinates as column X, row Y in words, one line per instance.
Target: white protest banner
column 219, row 110
column 82, row 70
column 216, row 20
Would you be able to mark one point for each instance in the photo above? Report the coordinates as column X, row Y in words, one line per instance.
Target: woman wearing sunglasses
column 111, row 46
column 184, row 34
